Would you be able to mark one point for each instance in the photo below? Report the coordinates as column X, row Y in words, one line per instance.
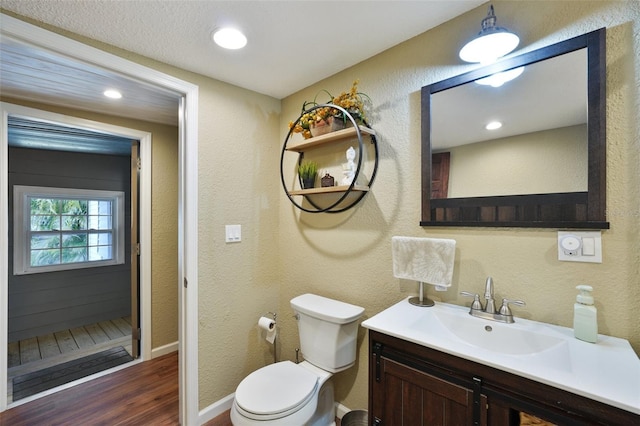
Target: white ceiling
column 291, row 45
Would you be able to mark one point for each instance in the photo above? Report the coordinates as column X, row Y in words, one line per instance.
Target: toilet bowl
column 285, row 393
column 289, row 394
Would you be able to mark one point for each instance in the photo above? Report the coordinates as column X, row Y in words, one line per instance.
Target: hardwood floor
column 143, row 394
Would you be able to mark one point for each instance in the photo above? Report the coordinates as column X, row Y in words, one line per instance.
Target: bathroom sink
column 607, row 371
column 496, row 337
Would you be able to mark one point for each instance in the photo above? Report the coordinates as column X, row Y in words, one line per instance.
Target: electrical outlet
column 584, row 246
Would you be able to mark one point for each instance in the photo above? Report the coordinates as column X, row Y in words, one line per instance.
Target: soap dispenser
column 585, row 316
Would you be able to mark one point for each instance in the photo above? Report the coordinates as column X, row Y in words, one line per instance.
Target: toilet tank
column 328, row 331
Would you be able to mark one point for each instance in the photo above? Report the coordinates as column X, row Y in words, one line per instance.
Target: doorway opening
column 113, row 66
column 72, row 319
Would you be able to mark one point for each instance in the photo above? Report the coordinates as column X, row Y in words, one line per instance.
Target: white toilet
column 292, row 394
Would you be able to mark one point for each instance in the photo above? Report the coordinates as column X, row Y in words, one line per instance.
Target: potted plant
column 316, row 119
column 308, row 170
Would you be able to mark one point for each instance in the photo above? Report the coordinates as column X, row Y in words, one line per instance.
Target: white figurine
column 349, row 169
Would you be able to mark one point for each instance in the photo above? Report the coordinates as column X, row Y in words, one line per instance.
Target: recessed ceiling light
column 493, row 125
column 113, row 94
column 229, row 38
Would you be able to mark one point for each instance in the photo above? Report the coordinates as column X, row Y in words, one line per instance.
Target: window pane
column 74, row 240
column 74, row 207
column 74, row 223
column 44, row 241
column 99, row 222
column 100, row 239
column 45, row 257
column 100, row 253
column 45, row 206
column 73, row 255
column 105, row 208
column 45, row 223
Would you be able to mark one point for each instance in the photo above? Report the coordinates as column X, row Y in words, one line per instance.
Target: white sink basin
column 496, row 337
column 607, row 371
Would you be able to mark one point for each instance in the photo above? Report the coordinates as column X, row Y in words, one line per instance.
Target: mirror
column 543, row 132
column 544, row 167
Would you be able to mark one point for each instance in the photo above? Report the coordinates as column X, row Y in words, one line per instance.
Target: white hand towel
column 428, row 260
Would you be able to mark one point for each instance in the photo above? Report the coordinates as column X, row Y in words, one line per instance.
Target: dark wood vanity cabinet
column 412, row 385
column 408, row 396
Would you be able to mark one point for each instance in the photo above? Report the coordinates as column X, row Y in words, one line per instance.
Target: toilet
column 290, row 394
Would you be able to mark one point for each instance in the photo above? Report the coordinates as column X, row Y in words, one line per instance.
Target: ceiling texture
column 291, row 45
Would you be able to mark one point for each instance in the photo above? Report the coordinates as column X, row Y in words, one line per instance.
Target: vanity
column 442, row 366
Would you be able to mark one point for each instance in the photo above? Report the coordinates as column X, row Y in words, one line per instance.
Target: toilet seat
column 276, row 391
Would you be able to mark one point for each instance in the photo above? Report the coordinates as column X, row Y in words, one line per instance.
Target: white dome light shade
column 492, row 42
column 498, row 79
column 229, row 38
column 489, row 47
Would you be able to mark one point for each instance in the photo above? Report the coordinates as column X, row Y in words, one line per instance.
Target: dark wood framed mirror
column 556, row 107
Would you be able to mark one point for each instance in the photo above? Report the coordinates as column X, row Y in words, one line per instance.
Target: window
column 57, row 229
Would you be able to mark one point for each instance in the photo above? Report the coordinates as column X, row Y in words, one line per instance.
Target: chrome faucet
column 490, row 306
column 489, row 311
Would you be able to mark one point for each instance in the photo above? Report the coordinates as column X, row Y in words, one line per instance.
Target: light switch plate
column 233, row 233
column 580, row 246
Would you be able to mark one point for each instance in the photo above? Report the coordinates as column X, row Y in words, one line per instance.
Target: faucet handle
column 476, row 305
column 504, row 309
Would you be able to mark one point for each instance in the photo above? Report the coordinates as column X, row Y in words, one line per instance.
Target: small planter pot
column 322, row 127
column 309, row 183
column 357, row 117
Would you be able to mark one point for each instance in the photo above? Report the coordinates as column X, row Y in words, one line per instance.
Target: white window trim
column 21, row 225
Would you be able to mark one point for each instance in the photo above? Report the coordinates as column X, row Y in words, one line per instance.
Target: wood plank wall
column 48, row 302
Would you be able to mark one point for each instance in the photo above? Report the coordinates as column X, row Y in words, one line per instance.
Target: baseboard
column 215, row 409
column 163, row 350
column 341, row 410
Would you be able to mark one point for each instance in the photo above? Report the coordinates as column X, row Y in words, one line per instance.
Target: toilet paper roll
column 268, row 325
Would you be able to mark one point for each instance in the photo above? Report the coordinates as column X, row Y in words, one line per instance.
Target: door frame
column 145, row 138
column 187, row 199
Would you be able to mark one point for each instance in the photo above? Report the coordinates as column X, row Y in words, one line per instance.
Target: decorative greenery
column 353, row 101
column 308, row 170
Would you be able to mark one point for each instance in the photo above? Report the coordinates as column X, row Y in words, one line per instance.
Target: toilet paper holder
column 275, row 352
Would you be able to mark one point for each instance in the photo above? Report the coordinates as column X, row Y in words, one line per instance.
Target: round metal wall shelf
column 341, row 198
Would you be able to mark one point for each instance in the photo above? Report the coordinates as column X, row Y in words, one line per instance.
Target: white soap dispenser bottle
column 585, row 316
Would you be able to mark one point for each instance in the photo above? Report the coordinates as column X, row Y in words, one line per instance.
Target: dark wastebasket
column 355, row 418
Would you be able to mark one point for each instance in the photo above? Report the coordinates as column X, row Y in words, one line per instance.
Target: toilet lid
column 276, row 390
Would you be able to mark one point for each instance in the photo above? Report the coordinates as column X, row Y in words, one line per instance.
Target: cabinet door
column 409, row 397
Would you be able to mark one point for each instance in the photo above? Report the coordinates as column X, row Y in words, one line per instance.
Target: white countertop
column 607, row 371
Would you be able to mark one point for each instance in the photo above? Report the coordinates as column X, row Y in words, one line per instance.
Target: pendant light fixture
column 491, row 43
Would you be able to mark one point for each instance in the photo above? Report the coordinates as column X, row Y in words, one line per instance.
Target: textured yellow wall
column 238, row 184
column 348, row 256
column 164, row 216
